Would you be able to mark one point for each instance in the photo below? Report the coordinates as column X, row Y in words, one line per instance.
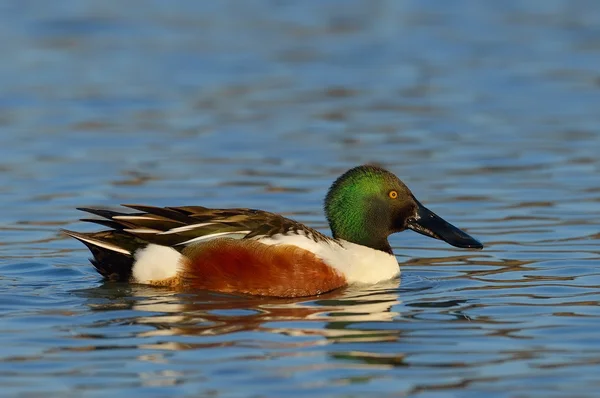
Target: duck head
column 368, row 203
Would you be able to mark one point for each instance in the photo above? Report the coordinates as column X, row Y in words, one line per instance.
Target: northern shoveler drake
column 260, row 253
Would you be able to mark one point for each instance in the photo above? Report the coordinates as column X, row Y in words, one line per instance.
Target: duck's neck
column 363, row 228
column 376, row 243
column 379, row 244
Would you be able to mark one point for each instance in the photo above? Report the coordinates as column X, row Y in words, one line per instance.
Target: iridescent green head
column 367, row 204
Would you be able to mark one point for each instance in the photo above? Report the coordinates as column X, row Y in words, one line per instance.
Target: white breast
column 359, row 264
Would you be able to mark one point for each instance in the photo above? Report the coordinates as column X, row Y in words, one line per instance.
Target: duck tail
column 112, row 250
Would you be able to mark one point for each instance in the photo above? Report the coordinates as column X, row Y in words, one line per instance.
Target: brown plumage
column 251, row 267
column 174, row 227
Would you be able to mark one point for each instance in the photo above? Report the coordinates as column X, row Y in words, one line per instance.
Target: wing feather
column 181, row 226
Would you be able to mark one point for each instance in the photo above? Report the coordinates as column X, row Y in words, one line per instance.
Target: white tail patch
column 230, row 234
column 155, row 263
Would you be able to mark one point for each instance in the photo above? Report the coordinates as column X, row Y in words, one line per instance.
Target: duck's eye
column 393, row 194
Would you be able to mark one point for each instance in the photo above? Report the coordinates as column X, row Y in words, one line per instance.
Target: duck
column 259, row 253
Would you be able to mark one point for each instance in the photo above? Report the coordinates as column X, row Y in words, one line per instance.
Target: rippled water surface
column 489, row 111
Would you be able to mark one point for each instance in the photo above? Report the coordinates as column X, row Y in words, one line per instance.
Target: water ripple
column 488, row 112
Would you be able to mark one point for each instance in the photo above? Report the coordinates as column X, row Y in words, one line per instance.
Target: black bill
column 430, row 224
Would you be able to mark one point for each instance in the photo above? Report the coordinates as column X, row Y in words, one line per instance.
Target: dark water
column 489, row 111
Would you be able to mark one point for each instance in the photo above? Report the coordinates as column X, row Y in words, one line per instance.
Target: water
column 487, row 110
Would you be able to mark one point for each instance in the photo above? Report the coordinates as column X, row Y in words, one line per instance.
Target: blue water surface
column 489, row 111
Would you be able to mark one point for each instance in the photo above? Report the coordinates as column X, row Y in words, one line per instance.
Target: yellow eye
column 393, row 194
